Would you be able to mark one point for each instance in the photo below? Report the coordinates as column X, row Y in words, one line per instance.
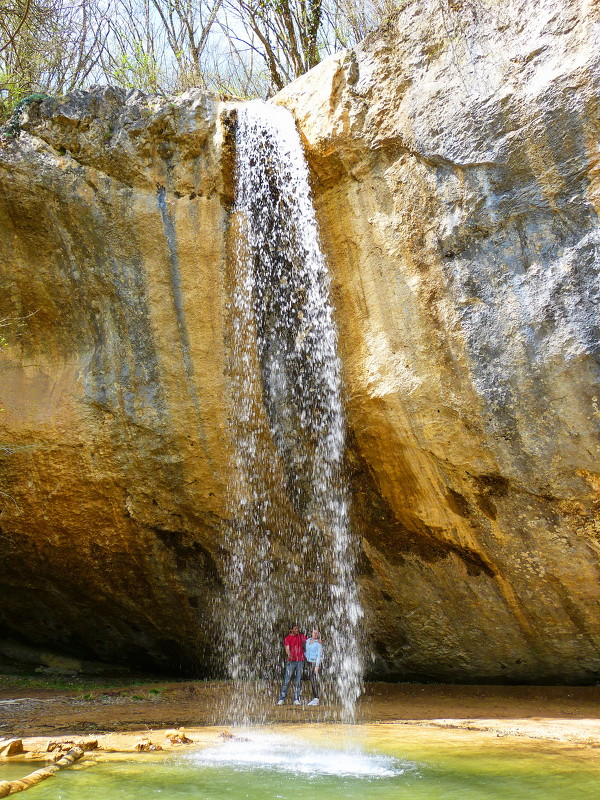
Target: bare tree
column 289, row 37
column 13, row 16
column 237, row 47
column 161, row 45
column 54, row 47
column 285, row 34
column 135, row 56
column 354, row 19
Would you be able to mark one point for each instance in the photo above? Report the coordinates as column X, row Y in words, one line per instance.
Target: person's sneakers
column 296, row 702
column 313, row 702
column 280, row 702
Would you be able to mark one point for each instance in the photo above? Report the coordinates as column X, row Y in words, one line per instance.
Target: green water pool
column 376, row 762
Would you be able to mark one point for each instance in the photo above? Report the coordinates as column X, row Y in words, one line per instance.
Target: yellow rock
column 455, row 175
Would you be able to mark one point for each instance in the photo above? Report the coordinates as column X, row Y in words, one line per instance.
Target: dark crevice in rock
column 458, row 503
column 229, row 122
column 493, row 485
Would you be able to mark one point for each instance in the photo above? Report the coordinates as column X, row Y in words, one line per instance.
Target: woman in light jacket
column 313, row 650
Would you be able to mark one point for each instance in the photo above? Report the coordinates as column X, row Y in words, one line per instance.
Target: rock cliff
column 112, row 217
column 456, row 175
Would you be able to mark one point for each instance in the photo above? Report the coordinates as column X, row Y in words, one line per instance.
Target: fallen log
column 12, row 787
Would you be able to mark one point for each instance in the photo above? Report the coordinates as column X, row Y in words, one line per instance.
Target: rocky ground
column 121, row 716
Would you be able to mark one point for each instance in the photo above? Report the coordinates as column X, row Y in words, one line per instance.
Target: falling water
column 291, row 550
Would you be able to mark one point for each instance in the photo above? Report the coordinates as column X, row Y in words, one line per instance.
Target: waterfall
column 291, row 552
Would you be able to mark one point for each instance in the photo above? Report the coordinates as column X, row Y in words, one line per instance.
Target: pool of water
column 376, row 762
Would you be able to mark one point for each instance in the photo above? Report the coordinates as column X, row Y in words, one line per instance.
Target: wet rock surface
column 456, row 178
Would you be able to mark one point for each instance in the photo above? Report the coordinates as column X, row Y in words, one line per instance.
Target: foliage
column 49, row 46
column 286, row 33
column 86, row 684
column 160, row 45
column 137, row 69
column 239, row 48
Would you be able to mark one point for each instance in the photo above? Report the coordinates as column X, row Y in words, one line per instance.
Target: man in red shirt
column 294, row 648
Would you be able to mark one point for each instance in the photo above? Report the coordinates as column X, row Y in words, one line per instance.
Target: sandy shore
column 119, row 718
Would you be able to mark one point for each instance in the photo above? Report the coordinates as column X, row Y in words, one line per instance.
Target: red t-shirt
column 296, row 645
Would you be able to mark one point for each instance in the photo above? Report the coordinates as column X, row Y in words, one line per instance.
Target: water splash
column 292, row 554
column 289, row 755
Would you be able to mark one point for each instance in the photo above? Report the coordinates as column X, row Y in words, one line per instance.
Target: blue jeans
column 290, row 668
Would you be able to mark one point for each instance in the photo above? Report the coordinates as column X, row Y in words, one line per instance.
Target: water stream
column 292, row 552
column 388, row 762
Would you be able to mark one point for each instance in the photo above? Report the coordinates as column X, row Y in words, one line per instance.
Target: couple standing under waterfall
column 300, row 650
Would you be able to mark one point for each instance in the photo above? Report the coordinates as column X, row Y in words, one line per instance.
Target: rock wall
column 112, row 217
column 457, row 181
column 456, row 164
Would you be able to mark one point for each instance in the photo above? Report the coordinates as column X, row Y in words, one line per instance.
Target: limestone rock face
column 456, row 173
column 112, row 219
column 457, row 182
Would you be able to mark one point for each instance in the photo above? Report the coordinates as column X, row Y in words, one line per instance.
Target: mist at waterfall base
column 292, row 555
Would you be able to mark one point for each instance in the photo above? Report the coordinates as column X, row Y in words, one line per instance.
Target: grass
column 84, row 683
column 15, row 678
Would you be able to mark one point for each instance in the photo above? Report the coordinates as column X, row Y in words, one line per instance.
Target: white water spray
column 292, row 756
column 292, row 553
